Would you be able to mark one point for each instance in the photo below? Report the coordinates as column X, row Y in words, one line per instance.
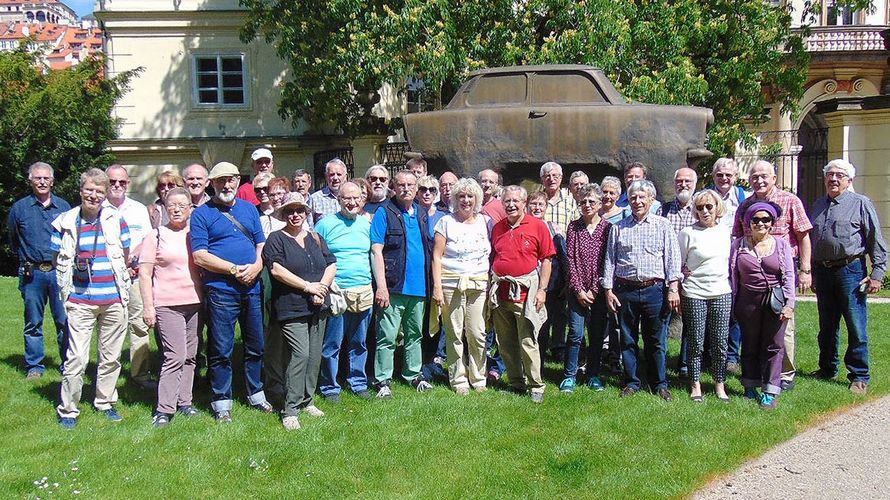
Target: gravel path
column 845, row 457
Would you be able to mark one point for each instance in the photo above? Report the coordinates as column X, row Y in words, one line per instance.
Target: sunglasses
column 294, row 211
column 703, row 206
column 119, row 182
column 761, row 220
column 377, row 179
column 263, row 189
column 587, row 202
column 424, row 189
column 169, row 185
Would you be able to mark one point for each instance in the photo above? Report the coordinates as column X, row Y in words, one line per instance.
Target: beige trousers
column 140, row 342
column 788, row 368
column 464, row 325
column 112, row 325
column 518, row 345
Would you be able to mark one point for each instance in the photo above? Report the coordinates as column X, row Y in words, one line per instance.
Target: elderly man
column 262, row 163
column 400, row 260
column 324, row 201
column 378, row 177
column 446, row 183
column 30, row 233
column 91, row 244
column 561, row 207
column 577, row 180
column 794, row 226
column 845, row 230
column 196, row 181
column 139, row 224
column 635, row 171
column 490, row 182
column 348, row 237
column 418, row 166
column 227, row 242
column 641, row 280
column 521, row 249
column 301, row 182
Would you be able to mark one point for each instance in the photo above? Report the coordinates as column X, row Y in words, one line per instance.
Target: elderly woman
column 609, row 210
column 552, row 334
column 586, row 240
column 278, row 189
column 427, row 194
column 266, row 208
column 460, row 278
column 704, row 292
column 157, row 212
column 171, row 296
column 758, row 265
column 302, row 269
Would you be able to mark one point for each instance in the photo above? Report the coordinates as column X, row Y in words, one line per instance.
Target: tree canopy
column 729, row 55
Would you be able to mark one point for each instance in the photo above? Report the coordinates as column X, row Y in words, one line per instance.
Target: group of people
column 477, row 279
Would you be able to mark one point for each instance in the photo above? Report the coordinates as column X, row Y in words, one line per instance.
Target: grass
column 490, row 445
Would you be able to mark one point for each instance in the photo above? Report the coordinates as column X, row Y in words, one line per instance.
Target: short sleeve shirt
column 176, row 281
column 466, row 246
column 308, row 262
column 350, row 242
column 212, row 231
column 415, row 265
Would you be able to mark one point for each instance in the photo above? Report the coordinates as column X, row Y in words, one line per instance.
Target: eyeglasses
column 177, row 206
column 290, row 212
column 120, row 182
column 721, row 175
column 169, row 185
column 424, row 189
column 587, row 202
column 374, row 178
column 836, row 175
column 703, row 206
column 762, row 220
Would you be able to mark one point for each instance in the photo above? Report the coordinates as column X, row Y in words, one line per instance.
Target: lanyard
column 95, row 233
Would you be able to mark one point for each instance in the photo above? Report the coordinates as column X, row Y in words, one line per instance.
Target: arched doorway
column 812, row 137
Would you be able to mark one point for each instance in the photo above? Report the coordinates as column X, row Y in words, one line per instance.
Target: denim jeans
column 594, row 318
column 733, row 341
column 224, row 309
column 552, row 337
column 493, row 355
column 36, row 292
column 644, row 312
column 352, row 327
column 838, row 295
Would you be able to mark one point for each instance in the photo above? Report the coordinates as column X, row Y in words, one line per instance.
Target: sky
column 82, row 7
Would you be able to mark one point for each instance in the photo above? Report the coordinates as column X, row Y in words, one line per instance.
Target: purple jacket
column 789, row 274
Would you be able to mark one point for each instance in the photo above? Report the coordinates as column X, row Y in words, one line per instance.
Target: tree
column 60, row 117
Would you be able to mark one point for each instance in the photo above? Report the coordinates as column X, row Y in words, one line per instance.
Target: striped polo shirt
column 96, row 288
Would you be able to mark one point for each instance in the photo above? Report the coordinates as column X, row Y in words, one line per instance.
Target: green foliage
column 729, row 55
column 60, row 117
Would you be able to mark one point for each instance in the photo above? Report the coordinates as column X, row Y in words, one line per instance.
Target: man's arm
column 543, row 279
column 12, row 232
column 382, row 295
column 804, row 247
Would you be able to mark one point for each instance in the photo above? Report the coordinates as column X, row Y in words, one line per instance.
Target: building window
column 219, row 80
column 840, row 15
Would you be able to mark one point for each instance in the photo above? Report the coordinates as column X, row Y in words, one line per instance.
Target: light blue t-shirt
column 350, row 242
column 415, row 268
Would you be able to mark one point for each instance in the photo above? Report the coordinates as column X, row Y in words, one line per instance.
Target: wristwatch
column 233, row 270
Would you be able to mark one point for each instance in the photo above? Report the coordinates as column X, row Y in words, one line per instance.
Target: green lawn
column 417, row 445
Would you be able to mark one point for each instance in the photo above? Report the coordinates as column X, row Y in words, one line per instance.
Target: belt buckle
column 45, row 267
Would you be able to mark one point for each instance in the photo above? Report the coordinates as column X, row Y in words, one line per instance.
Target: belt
column 636, row 285
column 45, row 266
column 839, row 262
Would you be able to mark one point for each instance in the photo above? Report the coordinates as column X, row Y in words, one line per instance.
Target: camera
column 83, row 268
column 27, row 271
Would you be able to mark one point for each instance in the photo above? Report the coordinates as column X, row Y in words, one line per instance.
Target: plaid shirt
column 793, row 220
column 642, row 250
column 678, row 217
column 323, row 202
column 562, row 211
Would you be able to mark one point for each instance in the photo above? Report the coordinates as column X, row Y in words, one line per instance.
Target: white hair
column 641, row 185
column 466, row 185
column 725, row 162
column 694, row 175
column 335, row 161
column 550, row 165
column 841, row 164
column 40, row 166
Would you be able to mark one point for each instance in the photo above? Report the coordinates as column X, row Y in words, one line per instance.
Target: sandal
column 697, row 399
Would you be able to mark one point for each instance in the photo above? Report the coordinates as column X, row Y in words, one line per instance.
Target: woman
column 278, row 189
column 586, row 240
column 553, row 330
column 171, row 296
column 268, row 220
column 302, row 269
column 757, row 263
column 365, row 187
column 157, row 213
column 705, row 293
column 460, row 278
column 271, row 192
column 611, row 189
column 427, row 193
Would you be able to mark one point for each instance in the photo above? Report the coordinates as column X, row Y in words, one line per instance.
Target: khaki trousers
column 788, row 368
column 140, row 342
column 518, row 345
column 112, row 325
column 462, row 318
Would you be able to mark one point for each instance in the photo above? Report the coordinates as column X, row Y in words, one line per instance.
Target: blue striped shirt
column 642, row 250
column 97, row 287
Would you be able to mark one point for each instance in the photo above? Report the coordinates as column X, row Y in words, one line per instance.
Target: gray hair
column 117, row 166
column 694, row 175
column 550, row 165
column 402, row 173
column 335, row 161
column 641, row 185
column 725, row 162
column 611, row 181
column 96, row 176
column 39, row 165
column 500, row 178
column 763, row 163
column 470, row 186
column 195, row 165
column 576, row 174
column 841, row 164
column 518, row 189
column 181, row 191
column 590, row 189
column 428, row 181
column 300, row 173
column 376, row 167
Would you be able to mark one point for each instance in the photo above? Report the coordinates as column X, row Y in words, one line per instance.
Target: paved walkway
column 871, row 299
column 845, row 457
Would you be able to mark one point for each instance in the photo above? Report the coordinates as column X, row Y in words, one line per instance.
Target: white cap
column 261, row 153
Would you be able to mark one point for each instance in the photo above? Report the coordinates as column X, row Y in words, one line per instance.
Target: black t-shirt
column 308, row 263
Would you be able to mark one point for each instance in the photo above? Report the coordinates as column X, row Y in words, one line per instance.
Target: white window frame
column 245, row 81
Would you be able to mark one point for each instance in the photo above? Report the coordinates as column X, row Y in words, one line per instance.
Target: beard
column 226, row 196
column 684, row 197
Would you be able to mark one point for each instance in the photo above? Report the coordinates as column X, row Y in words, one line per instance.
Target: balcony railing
column 846, row 39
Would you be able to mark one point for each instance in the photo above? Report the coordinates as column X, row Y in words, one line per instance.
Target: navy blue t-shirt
column 212, row 231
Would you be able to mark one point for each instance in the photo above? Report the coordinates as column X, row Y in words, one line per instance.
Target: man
column 139, row 224
column 302, row 181
column 324, row 201
column 418, row 166
column 577, row 180
column 446, row 183
column 635, row 171
column 91, row 246
column 641, row 282
column 400, row 260
column 490, row 182
column 348, row 237
column 845, row 230
column 561, row 207
column 195, row 176
column 30, row 233
column 262, row 163
column 792, row 225
column 521, row 248
column 378, row 177
column 725, row 175
column 227, row 242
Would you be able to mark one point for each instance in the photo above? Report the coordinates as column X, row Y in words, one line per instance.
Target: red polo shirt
column 518, row 250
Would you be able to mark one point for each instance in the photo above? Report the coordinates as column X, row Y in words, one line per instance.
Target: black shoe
column 264, row 407
column 628, row 391
column 188, row 411
column 333, row 399
column 367, row 396
column 665, row 394
column 787, row 385
column 823, row 374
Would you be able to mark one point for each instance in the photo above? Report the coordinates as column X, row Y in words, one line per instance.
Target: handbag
column 777, row 299
column 338, row 302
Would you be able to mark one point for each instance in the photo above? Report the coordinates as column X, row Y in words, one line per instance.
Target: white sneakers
column 291, row 423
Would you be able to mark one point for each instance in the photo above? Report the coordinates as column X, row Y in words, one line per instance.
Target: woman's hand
column 149, row 315
column 438, row 296
column 317, row 289
column 585, row 298
column 787, row 313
